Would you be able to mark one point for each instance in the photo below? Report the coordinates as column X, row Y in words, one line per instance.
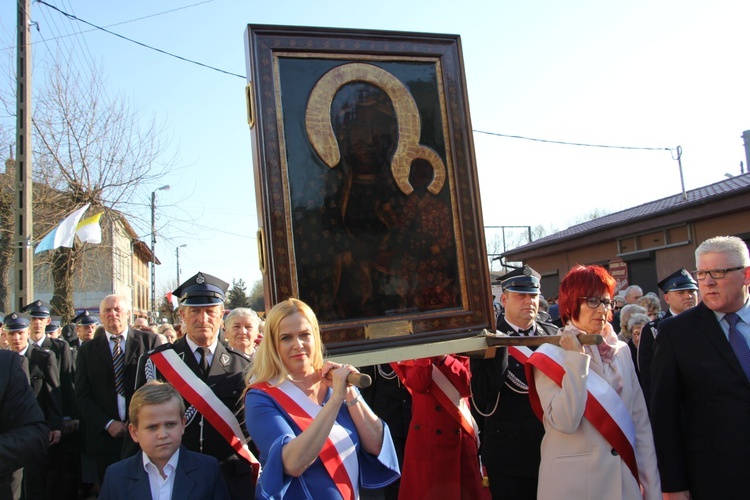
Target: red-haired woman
column 598, row 441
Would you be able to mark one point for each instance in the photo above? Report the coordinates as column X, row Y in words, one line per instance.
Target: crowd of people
column 623, row 400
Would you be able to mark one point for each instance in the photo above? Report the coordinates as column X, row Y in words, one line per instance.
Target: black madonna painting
column 366, row 183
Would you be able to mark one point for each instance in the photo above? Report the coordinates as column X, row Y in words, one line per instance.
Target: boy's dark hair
column 153, row 393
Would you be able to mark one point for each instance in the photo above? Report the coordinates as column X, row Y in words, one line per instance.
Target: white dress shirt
column 161, row 487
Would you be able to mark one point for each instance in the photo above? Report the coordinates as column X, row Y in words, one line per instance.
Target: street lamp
column 177, row 252
column 153, row 249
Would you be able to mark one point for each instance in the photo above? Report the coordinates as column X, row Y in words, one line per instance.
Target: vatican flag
column 64, row 234
column 89, row 230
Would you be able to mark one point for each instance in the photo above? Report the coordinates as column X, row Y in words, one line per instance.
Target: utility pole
column 177, row 253
column 24, row 276
column 154, row 312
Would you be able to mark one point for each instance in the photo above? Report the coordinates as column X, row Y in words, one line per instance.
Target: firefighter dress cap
column 38, row 309
column 522, row 280
column 54, row 324
column 201, row 290
column 15, row 322
column 678, row 280
column 85, row 318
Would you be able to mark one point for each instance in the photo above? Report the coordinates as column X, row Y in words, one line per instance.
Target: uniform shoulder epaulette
column 551, row 326
column 234, row 351
column 161, row 348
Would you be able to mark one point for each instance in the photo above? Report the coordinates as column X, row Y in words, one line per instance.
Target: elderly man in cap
column 209, row 376
column 45, row 385
column 105, row 380
column 512, row 433
column 680, row 294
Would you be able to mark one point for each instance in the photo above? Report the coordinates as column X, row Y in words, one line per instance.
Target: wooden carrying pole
column 483, row 345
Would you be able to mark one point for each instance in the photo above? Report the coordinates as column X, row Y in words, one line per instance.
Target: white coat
column 577, row 462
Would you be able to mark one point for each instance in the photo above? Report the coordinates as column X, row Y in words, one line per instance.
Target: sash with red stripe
column 448, row 397
column 339, row 454
column 198, row 394
column 604, row 408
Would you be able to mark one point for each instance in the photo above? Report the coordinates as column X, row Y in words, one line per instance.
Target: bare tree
column 89, row 147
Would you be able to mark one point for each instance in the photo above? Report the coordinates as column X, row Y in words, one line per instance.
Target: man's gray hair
column 733, row 246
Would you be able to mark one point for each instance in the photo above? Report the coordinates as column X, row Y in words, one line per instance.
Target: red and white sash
column 604, row 408
column 198, row 394
column 448, row 397
column 339, row 454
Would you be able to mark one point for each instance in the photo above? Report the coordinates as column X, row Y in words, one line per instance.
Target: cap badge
column 526, row 270
column 684, row 272
column 200, row 279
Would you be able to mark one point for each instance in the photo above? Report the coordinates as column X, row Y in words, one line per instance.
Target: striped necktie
column 118, row 360
column 738, row 343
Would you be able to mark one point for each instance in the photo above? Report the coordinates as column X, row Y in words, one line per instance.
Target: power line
column 71, row 16
column 571, row 143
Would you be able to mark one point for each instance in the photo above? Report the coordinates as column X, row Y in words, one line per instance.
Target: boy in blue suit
column 163, row 469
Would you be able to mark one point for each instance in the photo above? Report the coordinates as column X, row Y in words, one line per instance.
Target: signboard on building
column 619, row 271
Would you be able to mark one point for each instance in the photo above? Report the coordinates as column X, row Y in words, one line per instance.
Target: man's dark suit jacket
column 24, row 432
column 197, row 477
column 512, row 435
column 96, row 398
column 45, row 384
column 700, row 408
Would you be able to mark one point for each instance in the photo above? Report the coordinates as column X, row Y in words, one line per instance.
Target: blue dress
column 270, row 428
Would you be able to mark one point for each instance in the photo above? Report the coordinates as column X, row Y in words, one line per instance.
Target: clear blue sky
column 642, row 73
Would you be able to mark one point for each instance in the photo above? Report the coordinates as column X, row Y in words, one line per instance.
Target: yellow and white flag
column 89, row 230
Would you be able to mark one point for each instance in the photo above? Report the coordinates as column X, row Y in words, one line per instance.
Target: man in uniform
column 680, row 294
column 84, row 325
column 512, row 433
column 45, row 385
column 53, row 329
column 40, row 313
column 205, row 363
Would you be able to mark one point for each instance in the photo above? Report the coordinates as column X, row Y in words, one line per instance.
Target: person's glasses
column 716, row 274
column 593, row 302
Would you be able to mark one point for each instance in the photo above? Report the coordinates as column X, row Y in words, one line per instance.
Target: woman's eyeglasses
column 593, row 302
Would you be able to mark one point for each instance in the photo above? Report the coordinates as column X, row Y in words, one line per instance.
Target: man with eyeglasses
column 512, row 434
column 680, row 293
column 700, row 387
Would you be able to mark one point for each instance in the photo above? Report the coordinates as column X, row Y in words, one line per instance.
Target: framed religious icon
column 366, row 184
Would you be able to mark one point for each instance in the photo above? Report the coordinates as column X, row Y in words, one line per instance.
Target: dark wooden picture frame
column 366, row 184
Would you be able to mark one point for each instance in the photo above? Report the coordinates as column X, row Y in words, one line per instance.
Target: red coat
column 441, row 458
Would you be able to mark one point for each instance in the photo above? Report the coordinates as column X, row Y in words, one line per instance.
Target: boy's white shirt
column 161, row 488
